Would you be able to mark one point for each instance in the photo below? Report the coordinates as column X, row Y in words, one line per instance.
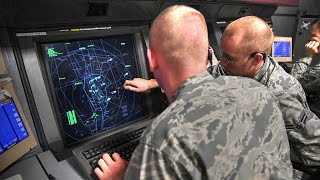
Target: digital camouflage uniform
column 303, row 126
column 309, row 77
column 222, row 128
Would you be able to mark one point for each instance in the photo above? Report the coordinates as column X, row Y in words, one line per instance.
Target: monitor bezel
column 282, row 39
column 139, row 43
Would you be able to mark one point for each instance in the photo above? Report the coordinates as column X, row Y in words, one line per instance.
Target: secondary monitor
column 282, row 49
column 86, row 72
column 16, row 138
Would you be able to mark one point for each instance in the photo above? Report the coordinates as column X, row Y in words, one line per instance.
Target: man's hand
column 140, row 85
column 111, row 168
column 312, row 48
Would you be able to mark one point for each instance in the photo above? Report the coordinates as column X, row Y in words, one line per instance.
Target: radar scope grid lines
column 87, row 76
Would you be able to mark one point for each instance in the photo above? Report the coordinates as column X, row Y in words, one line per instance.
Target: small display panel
column 87, row 77
column 282, row 49
column 12, row 129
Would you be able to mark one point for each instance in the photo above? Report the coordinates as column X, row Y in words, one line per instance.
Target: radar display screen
column 87, row 78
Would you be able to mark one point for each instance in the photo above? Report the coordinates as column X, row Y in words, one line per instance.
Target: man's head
column 244, row 45
column 178, row 46
column 315, row 30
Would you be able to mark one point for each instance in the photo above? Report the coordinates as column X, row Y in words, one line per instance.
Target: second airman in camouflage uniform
column 309, row 77
column 223, row 128
column 302, row 125
column 251, row 35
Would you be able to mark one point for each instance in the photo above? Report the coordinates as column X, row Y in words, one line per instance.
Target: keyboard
column 123, row 140
column 124, row 145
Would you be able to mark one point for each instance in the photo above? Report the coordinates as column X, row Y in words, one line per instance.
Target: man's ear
column 258, row 59
column 153, row 64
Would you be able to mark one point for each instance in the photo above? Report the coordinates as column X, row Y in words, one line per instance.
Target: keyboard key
column 87, row 156
column 85, row 152
column 98, row 151
column 94, row 163
column 93, row 154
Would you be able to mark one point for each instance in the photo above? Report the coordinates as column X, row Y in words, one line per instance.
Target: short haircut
column 316, row 22
column 180, row 33
column 255, row 33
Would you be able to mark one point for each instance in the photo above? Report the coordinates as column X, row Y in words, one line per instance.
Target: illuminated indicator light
column 82, row 48
column 127, row 66
column 91, row 45
column 72, row 117
column 123, row 43
column 77, row 83
column 62, row 78
column 74, row 30
column 67, row 43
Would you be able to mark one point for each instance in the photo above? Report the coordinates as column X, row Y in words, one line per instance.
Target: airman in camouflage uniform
column 302, row 125
column 309, row 77
column 223, row 128
column 251, row 35
column 215, row 128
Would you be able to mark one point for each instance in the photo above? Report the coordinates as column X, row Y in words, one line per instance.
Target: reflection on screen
column 87, row 76
column 12, row 129
column 282, row 49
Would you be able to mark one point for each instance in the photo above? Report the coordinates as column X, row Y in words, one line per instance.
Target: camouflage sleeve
column 310, row 80
column 303, row 127
column 308, row 77
column 300, row 67
column 148, row 162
